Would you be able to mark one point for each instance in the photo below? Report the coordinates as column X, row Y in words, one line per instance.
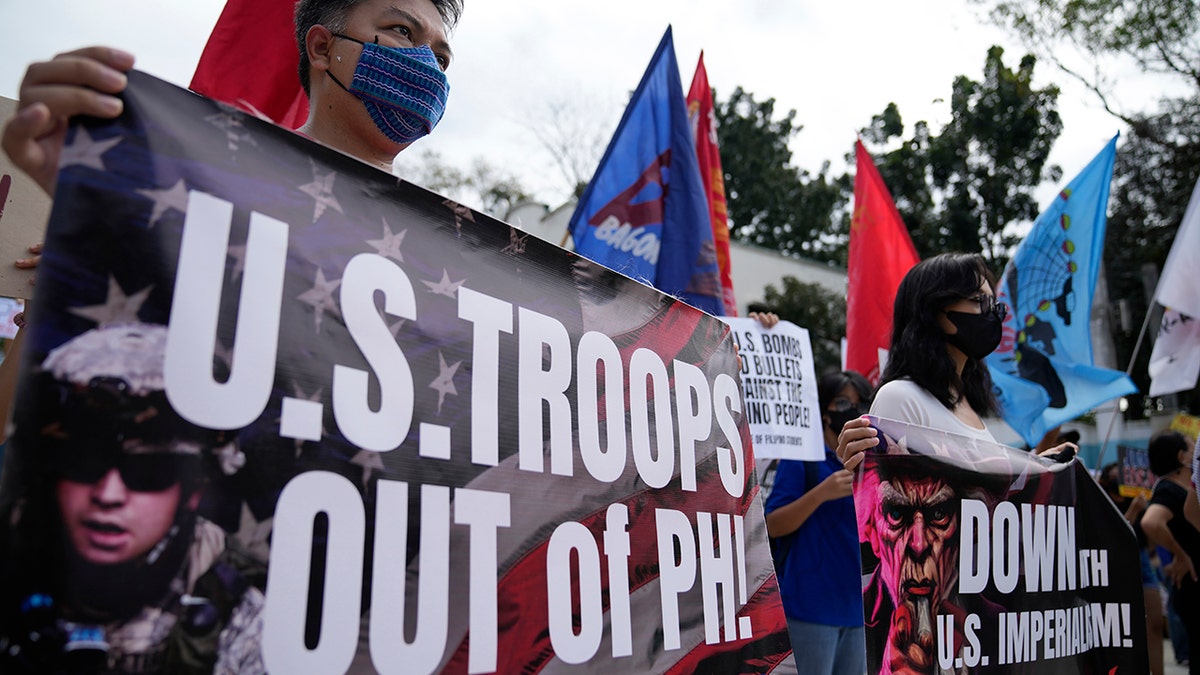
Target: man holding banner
column 386, row 360
column 342, row 45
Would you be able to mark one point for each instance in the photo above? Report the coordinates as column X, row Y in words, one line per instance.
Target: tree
column 1152, row 185
column 772, row 203
column 965, row 188
column 1085, row 38
column 574, row 131
column 485, row 187
column 905, row 171
column 1159, row 161
column 816, row 308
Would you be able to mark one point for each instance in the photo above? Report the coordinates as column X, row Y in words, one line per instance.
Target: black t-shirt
column 1172, row 496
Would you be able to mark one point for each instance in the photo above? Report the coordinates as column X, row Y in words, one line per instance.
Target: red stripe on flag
column 522, row 613
column 770, row 647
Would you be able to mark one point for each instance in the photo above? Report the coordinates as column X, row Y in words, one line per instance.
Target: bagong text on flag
column 1043, row 369
column 881, row 253
column 708, row 155
column 644, row 213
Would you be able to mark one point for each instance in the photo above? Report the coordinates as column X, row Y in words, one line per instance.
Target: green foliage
column 816, row 308
column 484, row 187
column 965, row 188
column 905, row 172
column 1151, row 190
column 1158, row 161
column 772, row 203
column 1160, row 37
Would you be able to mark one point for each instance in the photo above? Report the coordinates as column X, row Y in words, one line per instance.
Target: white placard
column 780, row 389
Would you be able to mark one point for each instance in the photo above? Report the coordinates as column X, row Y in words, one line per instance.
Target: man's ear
column 318, row 42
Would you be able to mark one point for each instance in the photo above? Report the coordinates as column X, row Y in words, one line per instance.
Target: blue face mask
column 403, row 89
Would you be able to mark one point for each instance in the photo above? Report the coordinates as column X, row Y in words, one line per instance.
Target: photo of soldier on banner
column 280, row 411
column 985, row 559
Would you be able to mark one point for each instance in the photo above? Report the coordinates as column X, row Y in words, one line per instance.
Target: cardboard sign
column 1188, row 425
column 24, row 209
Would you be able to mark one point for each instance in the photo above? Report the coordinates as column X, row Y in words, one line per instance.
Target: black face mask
column 838, row 418
column 978, row 334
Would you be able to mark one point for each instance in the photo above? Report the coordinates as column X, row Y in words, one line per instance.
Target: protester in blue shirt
column 810, row 515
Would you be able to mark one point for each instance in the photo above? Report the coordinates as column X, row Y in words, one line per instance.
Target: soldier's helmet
column 101, row 396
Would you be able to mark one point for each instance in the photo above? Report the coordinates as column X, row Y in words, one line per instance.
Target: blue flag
column 644, row 213
column 1043, row 369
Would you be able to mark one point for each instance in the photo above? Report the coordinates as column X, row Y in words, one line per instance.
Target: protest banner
column 380, row 431
column 986, row 559
column 1136, row 477
column 24, row 208
column 780, row 387
column 1188, row 425
column 9, row 308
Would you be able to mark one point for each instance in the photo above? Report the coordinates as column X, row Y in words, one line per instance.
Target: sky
column 835, row 63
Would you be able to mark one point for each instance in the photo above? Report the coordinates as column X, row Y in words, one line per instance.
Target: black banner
column 986, row 559
column 280, row 409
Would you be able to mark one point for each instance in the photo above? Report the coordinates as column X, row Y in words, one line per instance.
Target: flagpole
column 1137, row 347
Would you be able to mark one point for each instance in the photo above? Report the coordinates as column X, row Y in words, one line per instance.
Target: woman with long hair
column 945, row 322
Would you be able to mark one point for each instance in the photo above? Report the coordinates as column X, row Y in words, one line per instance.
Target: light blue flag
column 645, row 213
column 1043, row 369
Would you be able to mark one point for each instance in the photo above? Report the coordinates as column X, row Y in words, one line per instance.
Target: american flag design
column 129, row 197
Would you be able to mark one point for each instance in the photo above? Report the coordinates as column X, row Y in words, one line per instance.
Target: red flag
column 881, row 252
column 251, row 61
column 704, row 130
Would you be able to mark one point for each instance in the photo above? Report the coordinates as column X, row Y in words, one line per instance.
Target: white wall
column 753, row 268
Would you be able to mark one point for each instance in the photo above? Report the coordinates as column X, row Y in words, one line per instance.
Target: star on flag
column 321, row 190
column 516, row 242
column 320, row 297
column 231, row 124
column 394, row 328
column 444, row 383
column 460, row 212
column 388, row 246
column 117, row 307
column 83, row 150
column 174, row 197
column 369, row 461
column 445, row 286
